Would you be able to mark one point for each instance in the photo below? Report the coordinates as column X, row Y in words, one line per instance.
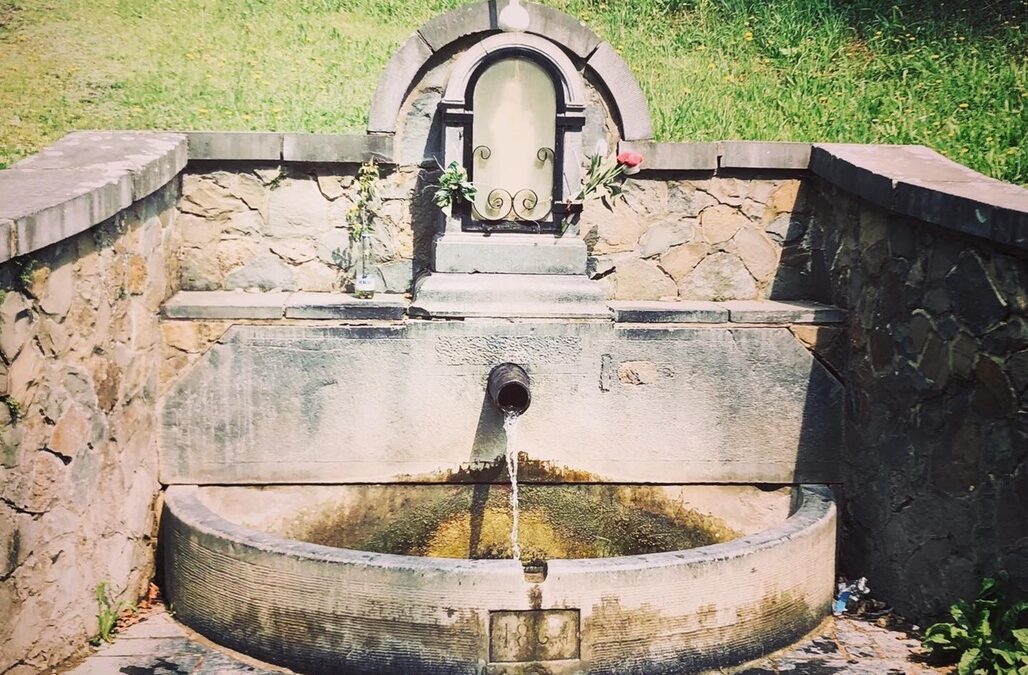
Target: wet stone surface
column 160, row 646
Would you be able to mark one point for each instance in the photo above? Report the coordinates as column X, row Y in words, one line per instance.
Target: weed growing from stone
column 107, row 615
column 13, row 407
column 25, row 270
column 987, row 636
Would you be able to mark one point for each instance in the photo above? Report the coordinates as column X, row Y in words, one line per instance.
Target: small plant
column 361, row 217
column 986, row 637
column 107, row 615
column 26, row 268
column 454, row 187
column 13, row 407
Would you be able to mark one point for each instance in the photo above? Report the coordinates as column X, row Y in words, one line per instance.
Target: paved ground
column 160, row 646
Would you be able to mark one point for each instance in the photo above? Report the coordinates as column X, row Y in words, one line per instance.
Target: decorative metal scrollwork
column 502, row 204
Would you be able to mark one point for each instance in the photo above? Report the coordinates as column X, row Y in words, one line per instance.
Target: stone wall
column 81, row 353
column 936, row 464
column 284, row 227
column 703, row 237
column 709, row 237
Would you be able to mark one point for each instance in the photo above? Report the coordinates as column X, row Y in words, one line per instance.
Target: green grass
column 949, row 75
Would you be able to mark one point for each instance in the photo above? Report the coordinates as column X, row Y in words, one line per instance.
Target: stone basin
column 238, row 571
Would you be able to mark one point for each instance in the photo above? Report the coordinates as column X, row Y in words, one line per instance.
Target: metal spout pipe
column 509, row 388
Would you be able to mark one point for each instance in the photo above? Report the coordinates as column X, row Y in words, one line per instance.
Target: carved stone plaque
column 534, row 635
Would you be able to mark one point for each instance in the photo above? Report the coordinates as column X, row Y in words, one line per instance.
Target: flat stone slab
column 842, row 646
column 919, row 182
column 735, row 311
column 763, row 155
column 345, row 307
column 674, row 156
column 509, row 296
column 779, row 312
column 80, row 181
column 216, row 305
column 226, row 305
column 698, row 311
column 406, row 402
column 466, row 252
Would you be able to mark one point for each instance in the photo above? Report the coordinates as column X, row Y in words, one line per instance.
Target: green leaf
column 1021, row 636
column 968, row 661
column 984, row 625
column 1007, row 657
column 960, row 611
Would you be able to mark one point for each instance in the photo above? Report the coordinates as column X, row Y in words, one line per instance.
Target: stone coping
column 220, row 305
column 761, row 312
column 80, row 181
column 262, row 146
column 717, row 155
column 918, row 182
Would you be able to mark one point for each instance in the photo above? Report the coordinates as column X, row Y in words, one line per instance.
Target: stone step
column 520, row 296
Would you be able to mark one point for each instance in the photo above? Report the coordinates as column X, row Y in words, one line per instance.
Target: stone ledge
column 469, row 252
column 208, row 305
column 698, row 311
column 920, row 183
column 341, row 306
column 674, row 156
column 289, row 147
column 330, row 148
column 80, row 181
column 717, row 155
column 226, row 305
column 779, row 312
column 235, row 145
column 761, row 312
column 763, row 155
column 508, row 296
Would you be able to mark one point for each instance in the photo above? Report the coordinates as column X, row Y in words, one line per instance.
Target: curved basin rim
column 183, row 501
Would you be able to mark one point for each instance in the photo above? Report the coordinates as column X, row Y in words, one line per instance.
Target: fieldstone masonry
column 709, row 238
column 285, row 228
column 81, row 355
column 937, row 414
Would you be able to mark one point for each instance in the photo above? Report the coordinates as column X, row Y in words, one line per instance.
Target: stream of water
column 510, row 427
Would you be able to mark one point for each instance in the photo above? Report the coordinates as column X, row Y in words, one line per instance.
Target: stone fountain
column 335, row 490
column 180, row 337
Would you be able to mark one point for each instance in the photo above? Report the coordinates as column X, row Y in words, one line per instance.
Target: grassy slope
column 951, row 76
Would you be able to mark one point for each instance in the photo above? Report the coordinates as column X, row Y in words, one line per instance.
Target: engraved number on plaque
column 534, row 635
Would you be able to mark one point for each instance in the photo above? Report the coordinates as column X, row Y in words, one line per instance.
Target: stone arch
column 472, row 61
column 598, row 58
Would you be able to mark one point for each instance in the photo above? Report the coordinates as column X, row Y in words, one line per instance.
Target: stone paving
column 845, row 646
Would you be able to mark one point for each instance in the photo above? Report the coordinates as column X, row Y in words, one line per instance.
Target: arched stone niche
column 552, row 128
column 407, row 100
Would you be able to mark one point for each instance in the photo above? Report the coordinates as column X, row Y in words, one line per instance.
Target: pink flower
column 630, row 161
